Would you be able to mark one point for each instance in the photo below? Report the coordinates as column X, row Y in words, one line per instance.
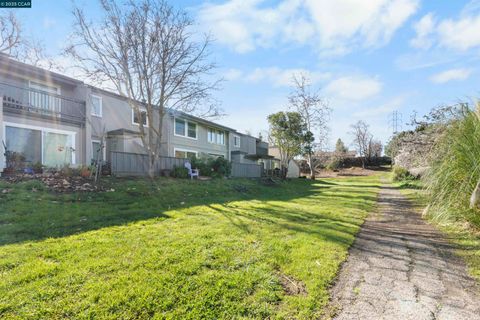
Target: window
column 96, row 105
column 143, row 115
column 192, row 130
column 26, row 142
column 236, row 141
column 43, row 97
column 185, row 154
column 220, row 137
column 216, row 136
column 211, row 135
column 44, row 87
column 57, row 149
column 185, row 129
column 97, row 151
column 51, row 148
column 179, row 127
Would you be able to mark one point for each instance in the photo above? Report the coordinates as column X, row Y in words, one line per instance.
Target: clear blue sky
column 368, row 58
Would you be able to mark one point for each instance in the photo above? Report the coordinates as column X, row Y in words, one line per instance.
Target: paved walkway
column 402, row 268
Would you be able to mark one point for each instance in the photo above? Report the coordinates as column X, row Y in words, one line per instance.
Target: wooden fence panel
column 135, row 164
column 244, row 170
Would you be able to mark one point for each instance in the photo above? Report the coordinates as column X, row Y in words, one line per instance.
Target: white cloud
column 283, row 77
column 451, row 75
column 332, row 26
column 243, row 26
column 353, row 88
column 344, row 23
column 459, row 34
column 424, row 29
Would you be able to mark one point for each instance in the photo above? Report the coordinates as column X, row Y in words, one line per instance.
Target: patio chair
column 191, row 172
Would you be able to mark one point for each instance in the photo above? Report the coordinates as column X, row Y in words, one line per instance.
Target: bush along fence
column 135, row 164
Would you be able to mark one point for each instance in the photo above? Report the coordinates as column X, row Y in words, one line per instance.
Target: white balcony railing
column 27, row 100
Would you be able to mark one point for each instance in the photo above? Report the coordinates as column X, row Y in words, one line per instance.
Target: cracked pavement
column 402, row 268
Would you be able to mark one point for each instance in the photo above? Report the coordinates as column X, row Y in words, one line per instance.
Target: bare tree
column 10, row 33
column 374, row 149
column 16, row 45
column 146, row 52
column 315, row 113
column 361, row 139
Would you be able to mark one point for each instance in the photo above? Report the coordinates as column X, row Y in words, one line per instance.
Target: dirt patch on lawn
column 292, row 286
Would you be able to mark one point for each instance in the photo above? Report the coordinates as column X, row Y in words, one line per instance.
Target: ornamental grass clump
column 455, row 170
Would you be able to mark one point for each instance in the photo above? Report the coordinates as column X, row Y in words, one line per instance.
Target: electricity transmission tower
column 396, row 122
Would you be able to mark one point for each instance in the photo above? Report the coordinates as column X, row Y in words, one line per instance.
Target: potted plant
column 85, row 172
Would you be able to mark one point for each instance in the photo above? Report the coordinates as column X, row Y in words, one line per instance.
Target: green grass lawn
column 466, row 239
column 173, row 249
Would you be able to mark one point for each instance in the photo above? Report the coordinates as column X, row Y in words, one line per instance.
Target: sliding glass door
column 25, row 142
column 57, row 149
column 52, row 149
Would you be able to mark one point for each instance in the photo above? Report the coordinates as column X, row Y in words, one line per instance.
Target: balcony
column 32, row 102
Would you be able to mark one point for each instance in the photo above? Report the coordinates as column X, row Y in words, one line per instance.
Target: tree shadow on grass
column 28, row 216
column 336, row 228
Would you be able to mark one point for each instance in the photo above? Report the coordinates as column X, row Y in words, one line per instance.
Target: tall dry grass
column 455, row 170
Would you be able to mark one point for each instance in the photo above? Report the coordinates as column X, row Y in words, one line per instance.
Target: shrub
column 334, row 164
column 212, row 166
column 221, row 167
column 401, row 174
column 37, row 167
column 66, row 171
column 15, row 160
column 180, row 172
column 203, row 165
column 455, row 169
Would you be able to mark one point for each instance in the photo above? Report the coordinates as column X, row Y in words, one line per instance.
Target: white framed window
column 51, row 147
column 180, row 127
column 44, row 87
column 220, row 137
column 216, row 136
column 184, row 128
column 192, row 130
column 143, row 116
column 211, row 135
column 236, row 141
column 98, row 152
column 184, row 153
column 44, row 96
column 97, row 107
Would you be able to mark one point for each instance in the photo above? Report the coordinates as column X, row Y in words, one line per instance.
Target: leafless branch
column 315, row 112
column 146, row 52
